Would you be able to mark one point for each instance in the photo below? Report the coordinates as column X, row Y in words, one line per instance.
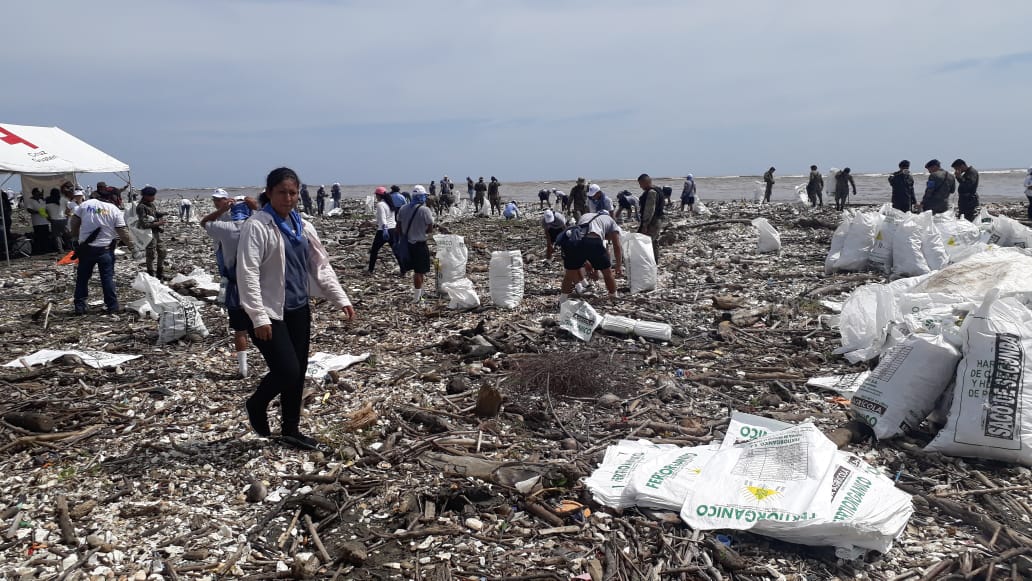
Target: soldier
column 967, row 189
column 150, row 218
column 768, row 184
column 651, row 212
column 938, row 188
column 494, row 195
column 579, row 198
column 843, row 180
column 480, row 188
column 903, row 198
column 815, row 188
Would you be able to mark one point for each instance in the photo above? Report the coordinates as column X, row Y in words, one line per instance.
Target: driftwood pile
column 459, row 444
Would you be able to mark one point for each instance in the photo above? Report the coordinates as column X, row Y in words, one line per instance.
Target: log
column 64, row 522
column 32, row 421
column 852, row 432
column 489, row 402
column 435, row 423
column 543, row 513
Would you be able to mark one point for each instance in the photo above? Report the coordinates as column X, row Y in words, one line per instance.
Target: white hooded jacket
column 261, row 267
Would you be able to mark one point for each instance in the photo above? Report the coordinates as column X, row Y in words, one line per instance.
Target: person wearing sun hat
column 386, row 225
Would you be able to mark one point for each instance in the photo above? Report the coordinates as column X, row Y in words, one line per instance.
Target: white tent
column 48, row 154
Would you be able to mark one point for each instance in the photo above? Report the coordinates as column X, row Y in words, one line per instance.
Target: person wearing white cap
column 554, row 223
column 221, row 200
column 598, row 201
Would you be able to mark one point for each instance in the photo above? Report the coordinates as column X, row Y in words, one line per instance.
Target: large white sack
column 1001, row 230
column 838, row 240
column 881, row 251
column 178, row 316
column 801, row 195
column 141, row 236
column 452, row 254
column 1006, row 269
column 505, row 278
column 769, row 239
column 903, row 388
column 907, row 255
column 932, row 246
column 772, row 478
column 960, row 237
column 867, row 316
column 608, row 483
column 935, row 314
column 991, row 413
column 664, row 479
column 868, row 511
column 461, row 294
column 639, row 262
column 856, row 248
column 579, row 318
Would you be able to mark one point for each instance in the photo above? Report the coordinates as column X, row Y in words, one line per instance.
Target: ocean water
column 994, row 186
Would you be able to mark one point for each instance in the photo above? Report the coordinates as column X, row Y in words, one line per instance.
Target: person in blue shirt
column 511, row 211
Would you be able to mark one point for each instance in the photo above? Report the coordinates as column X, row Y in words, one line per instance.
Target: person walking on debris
column 95, row 225
column 280, row 264
column 1028, row 191
column 598, row 201
column 36, row 206
column 447, row 195
column 651, row 212
column 398, row 199
column 688, row 194
column 903, row 197
column 843, row 180
column 415, row 222
column 591, row 250
column 579, row 198
column 626, row 202
column 544, row 199
column 768, row 184
column 151, row 219
column 223, row 226
column 470, row 186
column 386, row 226
column 335, row 195
column 56, row 204
column 320, row 200
column 938, row 189
column 967, row 189
column 494, row 195
column 815, row 188
column 554, row 223
column 306, row 200
column 480, row 188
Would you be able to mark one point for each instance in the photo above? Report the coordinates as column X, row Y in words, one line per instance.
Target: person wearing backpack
column 583, row 245
column 554, row 223
column 938, row 189
column 415, row 222
column 651, row 211
column 903, row 198
column 815, row 188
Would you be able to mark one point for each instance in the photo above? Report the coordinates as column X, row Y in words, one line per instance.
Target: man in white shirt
column 95, row 225
column 591, row 249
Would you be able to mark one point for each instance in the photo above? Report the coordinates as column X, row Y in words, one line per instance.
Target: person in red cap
column 386, row 226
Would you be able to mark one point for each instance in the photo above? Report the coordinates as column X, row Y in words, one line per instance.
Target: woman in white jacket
column 280, row 264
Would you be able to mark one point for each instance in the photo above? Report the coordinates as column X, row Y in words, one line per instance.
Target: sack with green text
column 991, row 413
column 665, row 479
column 609, row 482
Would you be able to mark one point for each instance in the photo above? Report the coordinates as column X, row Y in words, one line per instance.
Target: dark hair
column 957, row 163
column 904, row 163
column 263, row 198
column 932, row 163
column 846, row 170
column 55, row 195
column 813, row 168
column 644, row 176
column 395, row 189
column 280, row 175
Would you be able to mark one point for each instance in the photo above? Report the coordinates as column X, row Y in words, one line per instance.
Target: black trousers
column 378, row 243
column 41, row 243
column 286, row 355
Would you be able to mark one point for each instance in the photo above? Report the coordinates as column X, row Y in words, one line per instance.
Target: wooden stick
column 318, row 542
column 64, row 522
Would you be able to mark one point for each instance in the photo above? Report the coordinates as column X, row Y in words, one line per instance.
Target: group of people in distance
column 320, row 199
column 938, row 188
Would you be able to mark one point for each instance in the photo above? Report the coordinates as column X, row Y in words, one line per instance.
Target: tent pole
column 3, row 218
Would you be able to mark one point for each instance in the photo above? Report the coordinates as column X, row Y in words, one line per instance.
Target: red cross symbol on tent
column 13, row 139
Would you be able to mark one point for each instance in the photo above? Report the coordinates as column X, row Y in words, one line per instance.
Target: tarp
column 49, row 150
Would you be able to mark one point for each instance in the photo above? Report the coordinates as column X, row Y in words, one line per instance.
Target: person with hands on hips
column 281, row 264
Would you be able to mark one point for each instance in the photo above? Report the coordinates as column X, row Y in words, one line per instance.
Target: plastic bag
column 141, row 236
column 838, row 239
column 452, row 254
column 907, row 256
column 804, row 198
column 991, row 413
column 881, row 251
column 579, row 318
column 769, row 239
column 461, row 294
column 746, row 427
column 178, row 316
column 960, row 237
column 902, row 390
column 639, row 262
column 932, row 247
column 505, row 277
column 856, row 248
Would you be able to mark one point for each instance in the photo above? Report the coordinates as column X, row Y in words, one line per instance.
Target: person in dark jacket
column 938, row 188
column 967, row 189
column 306, row 200
column 479, row 189
column 579, row 198
column 815, row 188
column 768, row 181
column 843, row 180
column 651, row 212
column 320, row 199
column 903, row 198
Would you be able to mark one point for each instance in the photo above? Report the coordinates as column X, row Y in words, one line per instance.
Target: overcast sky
column 218, row 92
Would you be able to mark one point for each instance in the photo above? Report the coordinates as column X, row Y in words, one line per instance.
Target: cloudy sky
column 217, row 92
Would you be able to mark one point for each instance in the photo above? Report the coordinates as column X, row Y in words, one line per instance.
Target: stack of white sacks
column 954, row 338
column 787, row 482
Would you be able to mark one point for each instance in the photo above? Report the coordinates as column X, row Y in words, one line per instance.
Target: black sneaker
column 302, row 442
column 258, row 417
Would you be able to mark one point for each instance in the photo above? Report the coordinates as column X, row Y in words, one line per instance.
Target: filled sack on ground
column 505, row 278
column 639, row 263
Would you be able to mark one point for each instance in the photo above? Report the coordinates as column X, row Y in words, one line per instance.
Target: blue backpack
column 572, row 236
